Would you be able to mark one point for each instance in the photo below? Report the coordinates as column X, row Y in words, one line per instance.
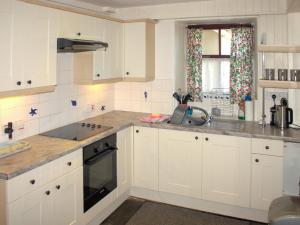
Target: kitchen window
column 216, row 44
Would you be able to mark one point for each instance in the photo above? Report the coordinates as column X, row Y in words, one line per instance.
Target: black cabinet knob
column 257, row 160
column 137, row 131
column 206, row 139
column 196, row 138
column 32, row 182
column 127, row 73
column 98, row 75
column 48, row 192
column 69, row 163
column 29, row 82
column 78, row 33
column 57, row 187
column 19, row 83
column 267, row 147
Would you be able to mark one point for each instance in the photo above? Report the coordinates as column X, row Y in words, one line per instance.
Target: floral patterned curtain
column 241, row 63
column 194, row 63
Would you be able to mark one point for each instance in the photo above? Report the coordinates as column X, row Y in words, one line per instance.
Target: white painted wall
column 55, row 109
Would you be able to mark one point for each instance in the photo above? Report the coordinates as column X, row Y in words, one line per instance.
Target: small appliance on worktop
column 76, row 131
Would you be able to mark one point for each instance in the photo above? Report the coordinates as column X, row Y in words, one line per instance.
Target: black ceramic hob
column 76, row 131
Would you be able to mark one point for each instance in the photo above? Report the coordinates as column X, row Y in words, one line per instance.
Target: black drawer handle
column 48, row 192
column 69, row 163
column 32, row 182
column 78, row 33
column 196, row 138
column 267, row 147
column 206, row 139
column 257, row 160
column 19, row 83
column 137, row 131
column 57, row 187
column 29, row 82
column 98, row 75
column 127, row 73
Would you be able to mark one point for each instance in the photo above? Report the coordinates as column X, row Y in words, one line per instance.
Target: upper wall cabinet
column 102, row 65
column 139, row 51
column 28, row 50
column 76, row 26
column 6, row 24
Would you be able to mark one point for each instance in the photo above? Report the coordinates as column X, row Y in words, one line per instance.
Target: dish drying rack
column 219, row 98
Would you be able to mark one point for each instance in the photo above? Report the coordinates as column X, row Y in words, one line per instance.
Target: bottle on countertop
column 241, row 113
column 248, row 108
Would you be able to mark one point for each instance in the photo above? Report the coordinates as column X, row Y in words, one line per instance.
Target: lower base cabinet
column 180, row 167
column 59, row 202
column 124, row 160
column 267, row 180
column 226, row 169
column 145, row 159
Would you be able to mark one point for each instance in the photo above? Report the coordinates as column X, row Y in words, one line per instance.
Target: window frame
column 218, row 27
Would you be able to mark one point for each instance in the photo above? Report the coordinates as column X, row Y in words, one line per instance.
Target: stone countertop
column 45, row 149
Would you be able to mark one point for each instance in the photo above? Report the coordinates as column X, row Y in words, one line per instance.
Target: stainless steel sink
column 180, row 116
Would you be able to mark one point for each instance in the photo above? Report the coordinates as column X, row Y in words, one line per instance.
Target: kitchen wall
column 69, row 103
column 270, row 16
column 130, row 96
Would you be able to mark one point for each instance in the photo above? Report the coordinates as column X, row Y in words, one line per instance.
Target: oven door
column 100, row 176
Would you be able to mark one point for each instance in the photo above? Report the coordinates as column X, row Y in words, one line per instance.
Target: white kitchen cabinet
column 6, row 24
column 139, row 51
column 68, row 198
column 34, row 47
column 124, row 160
column 180, row 162
column 47, row 195
column 77, row 26
column 55, row 203
column 102, row 65
column 34, row 208
column 267, row 180
column 226, row 169
column 145, row 158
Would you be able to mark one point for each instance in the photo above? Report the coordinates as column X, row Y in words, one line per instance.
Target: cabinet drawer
column 267, row 147
column 29, row 181
column 67, row 163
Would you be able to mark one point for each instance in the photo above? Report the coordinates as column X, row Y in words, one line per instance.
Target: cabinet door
column 180, row 162
column 6, row 23
column 115, row 51
column 267, row 184
column 226, row 169
column 99, row 65
column 145, row 159
column 34, row 208
column 135, row 50
column 76, row 26
column 68, row 198
column 124, row 160
column 34, row 46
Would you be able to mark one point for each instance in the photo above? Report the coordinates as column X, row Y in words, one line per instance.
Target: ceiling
column 133, row 3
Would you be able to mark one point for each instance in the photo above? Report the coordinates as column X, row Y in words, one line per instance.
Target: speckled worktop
column 45, row 149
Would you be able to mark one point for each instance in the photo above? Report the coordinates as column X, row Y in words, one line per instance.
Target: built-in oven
column 100, row 170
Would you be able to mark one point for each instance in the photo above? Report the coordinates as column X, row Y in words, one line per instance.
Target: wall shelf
column 279, row 84
column 279, row 48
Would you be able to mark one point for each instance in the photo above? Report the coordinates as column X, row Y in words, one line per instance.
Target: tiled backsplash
column 67, row 104
column 152, row 97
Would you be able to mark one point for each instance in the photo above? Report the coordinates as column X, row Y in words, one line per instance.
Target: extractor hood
column 77, row 45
